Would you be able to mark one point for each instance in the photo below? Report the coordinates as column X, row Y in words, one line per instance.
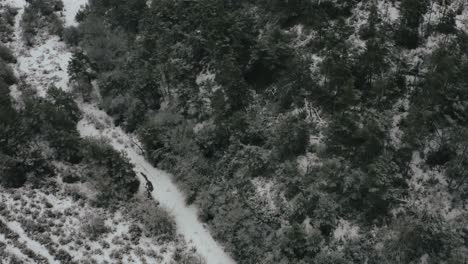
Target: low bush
column 109, row 171
column 6, row 54
column 7, row 74
column 94, row 226
column 40, row 14
column 156, row 222
column 71, row 36
column 63, row 256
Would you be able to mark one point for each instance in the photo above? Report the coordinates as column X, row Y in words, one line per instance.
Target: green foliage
column 290, row 137
column 419, row 235
column 13, row 176
column 103, row 48
column 447, row 23
column 156, row 222
column 71, row 35
column 407, row 34
column 360, row 137
column 40, row 15
column 6, row 54
column 308, row 12
column 94, row 226
column 158, row 133
column 55, row 118
column 273, row 69
column 110, row 172
column 121, row 13
column 300, row 244
column 46, row 7
column 6, row 73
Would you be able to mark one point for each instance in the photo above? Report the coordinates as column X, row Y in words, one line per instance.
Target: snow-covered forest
column 222, row 132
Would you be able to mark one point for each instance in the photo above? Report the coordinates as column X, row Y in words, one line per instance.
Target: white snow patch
column 266, row 193
column 307, row 161
column 45, row 65
column 346, row 230
column 71, row 8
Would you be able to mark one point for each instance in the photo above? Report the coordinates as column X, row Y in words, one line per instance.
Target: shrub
column 63, row 256
column 414, row 236
column 447, row 23
column 6, row 73
column 94, row 226
column 156, row 222
column 184, row 256
column 407, row 34
column 40, row 14
column 157, row 133
column 70, row 178
column 110, row 171
column 13, row 175
column 6, row 54
column 440, row 156
column 10, row 13
column 71, row 35
column 46, row 7
column 290, row 137
column 134, row 233
column 56, row 26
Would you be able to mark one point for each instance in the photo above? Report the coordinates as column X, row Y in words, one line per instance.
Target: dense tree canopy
column 226, row 94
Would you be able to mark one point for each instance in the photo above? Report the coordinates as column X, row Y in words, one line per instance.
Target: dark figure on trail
column 149, row 185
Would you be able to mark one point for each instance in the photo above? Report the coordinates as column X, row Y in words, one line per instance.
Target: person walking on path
column 149, row 185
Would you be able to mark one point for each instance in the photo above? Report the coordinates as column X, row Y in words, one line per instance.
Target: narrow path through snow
column 46, row 64
column 166, row 192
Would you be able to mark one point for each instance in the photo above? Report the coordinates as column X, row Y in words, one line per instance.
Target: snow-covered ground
column 30, row 243
column 166, row 192
column 48, row 224
column 71, row 8
column 45, row 64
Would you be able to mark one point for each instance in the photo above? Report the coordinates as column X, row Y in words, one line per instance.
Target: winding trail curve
column 46, row 64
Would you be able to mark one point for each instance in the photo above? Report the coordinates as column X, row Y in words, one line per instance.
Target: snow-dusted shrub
column 56, row 26
column 9, row 14
column 63, row 256
column 71, row 35
column 7, row 21
column 156, row 221
column 134, row 232
column 94, row 226
column 75, row 193
column 39, row 15
column 110, row 172
column 290, row 137
column 116, row 254
column 166, row 136
column 184, row 256
column 46, row 7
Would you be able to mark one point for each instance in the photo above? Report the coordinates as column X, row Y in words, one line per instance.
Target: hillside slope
column 292, row 131
column 44, row 65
